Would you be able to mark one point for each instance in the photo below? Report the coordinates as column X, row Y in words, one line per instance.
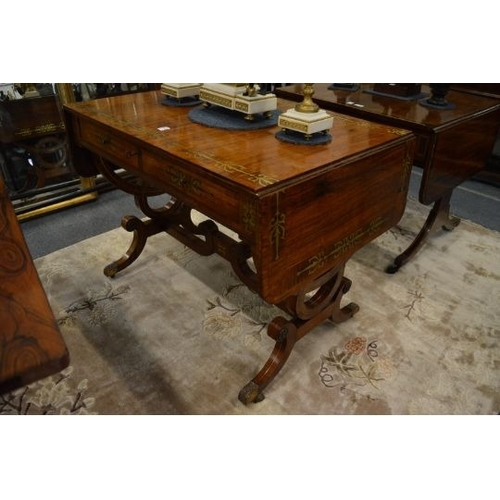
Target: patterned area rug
column 177, row 333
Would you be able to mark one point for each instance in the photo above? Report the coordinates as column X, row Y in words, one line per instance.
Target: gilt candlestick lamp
column 306, row 118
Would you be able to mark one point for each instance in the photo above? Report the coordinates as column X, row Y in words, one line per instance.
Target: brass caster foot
column 350, row 309
column 250, row 394
column 110, row 270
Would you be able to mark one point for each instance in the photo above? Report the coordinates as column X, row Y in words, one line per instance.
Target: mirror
column 34, row 157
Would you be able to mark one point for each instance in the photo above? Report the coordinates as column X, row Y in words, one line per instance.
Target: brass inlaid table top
column 299, row 211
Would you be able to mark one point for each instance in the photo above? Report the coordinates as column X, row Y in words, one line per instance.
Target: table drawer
column 111, row 146
column 235, row 210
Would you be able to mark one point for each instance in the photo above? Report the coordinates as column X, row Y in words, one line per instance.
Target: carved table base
column 306, row 315
column 315, row 303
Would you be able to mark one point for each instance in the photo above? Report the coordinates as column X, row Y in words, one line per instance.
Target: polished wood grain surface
column 298, row 212
column 453, row 145
column 253, row 159
column 404, row 113
column 242, row 179
column 31, row 346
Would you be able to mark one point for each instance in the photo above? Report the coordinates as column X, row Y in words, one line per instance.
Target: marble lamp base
column 305, row 123
column 180, row 90
column 234, row 97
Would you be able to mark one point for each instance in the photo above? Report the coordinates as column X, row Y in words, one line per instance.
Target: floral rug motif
column 55, row 395
column 176, row 333
column 354, row 366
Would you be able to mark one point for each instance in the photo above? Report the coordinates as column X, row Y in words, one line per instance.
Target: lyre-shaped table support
column 316, row 302
column 306, row 313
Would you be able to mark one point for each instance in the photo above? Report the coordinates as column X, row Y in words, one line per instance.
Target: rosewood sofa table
column 452, row 144
column 299, row 211
column 31, row 346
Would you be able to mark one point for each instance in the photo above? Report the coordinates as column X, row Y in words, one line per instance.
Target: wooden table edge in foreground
column 31, row 345
column 302, row 275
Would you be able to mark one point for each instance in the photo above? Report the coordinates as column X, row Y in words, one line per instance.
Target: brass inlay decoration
column 256, row 178
column 214, row 98
column 187, row 183
column 277, row 229
column 168, row 91
column 341, row 246
column 48, row 128
column 295, row 124
column 259, row 179
column 241, row 106
column 249, row 216
column 369, row 125
column 397, row 131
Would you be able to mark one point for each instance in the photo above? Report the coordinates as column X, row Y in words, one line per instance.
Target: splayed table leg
column 314, row 304
column 439, row 218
